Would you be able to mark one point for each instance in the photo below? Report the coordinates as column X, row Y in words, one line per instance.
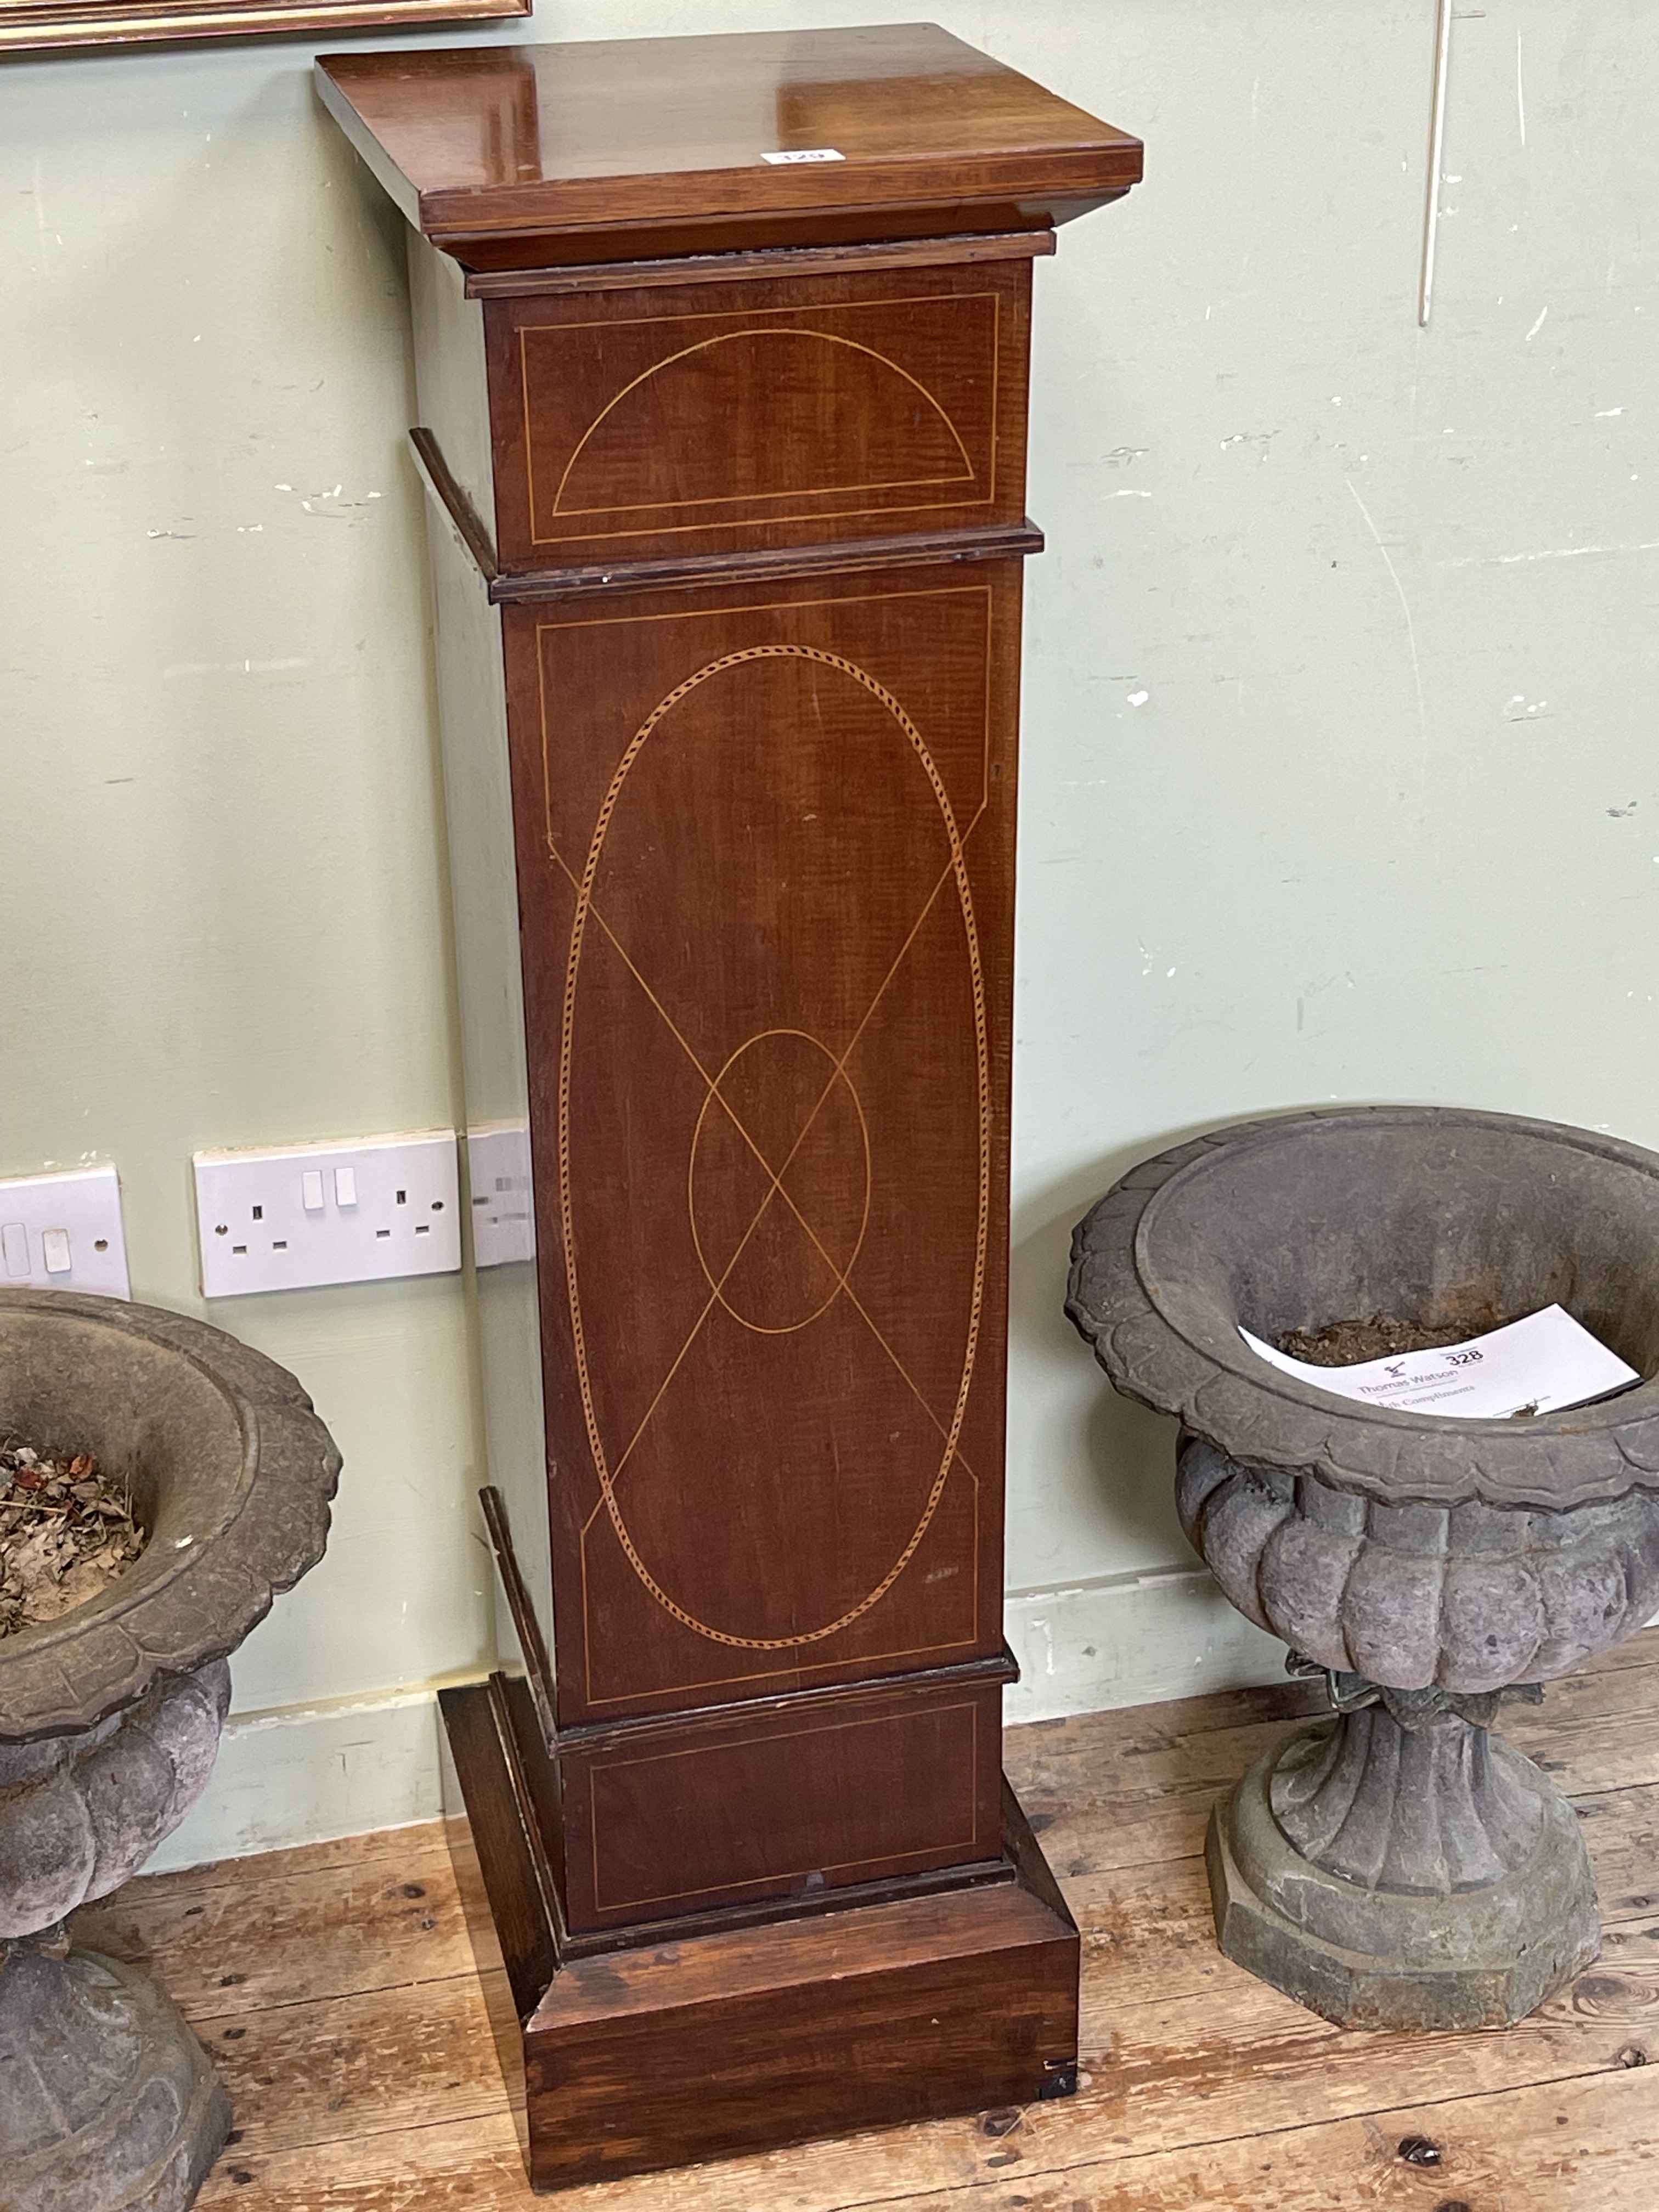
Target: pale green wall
column 1388, row 596
column 224, row 916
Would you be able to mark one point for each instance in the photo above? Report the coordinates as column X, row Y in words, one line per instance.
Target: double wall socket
column 300, row 1216
column 63, row 1232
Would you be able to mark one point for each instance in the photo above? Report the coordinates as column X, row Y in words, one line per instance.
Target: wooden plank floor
column 335, row 1987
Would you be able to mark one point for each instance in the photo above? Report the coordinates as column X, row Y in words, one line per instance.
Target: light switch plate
column 63, row 1232
column 390, row 1205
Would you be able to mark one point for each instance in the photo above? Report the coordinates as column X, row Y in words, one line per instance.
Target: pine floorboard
column 335, row 1989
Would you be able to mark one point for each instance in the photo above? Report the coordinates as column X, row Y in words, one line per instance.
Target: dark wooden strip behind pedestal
column 726, row 458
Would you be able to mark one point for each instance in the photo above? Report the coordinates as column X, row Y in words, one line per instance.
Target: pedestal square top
column 809, row 132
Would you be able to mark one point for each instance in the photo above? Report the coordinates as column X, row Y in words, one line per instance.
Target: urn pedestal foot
column 107, row 2101
column 1414, row 1875
column 1398, row 1867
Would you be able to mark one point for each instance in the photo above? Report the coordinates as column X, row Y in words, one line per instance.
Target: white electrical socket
column 63, row 1232
column 499, row 1194
column 300, row 1216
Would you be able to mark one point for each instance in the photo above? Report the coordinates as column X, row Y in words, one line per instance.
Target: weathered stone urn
column 110, row 1719
column 1397, row 1865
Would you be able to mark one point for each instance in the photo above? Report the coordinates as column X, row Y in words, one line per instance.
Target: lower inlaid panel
column 684, row 1818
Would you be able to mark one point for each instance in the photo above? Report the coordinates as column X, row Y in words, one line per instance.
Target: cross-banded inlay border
column 958, row 869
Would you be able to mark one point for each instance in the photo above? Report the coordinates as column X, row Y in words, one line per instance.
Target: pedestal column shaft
column 726, row 437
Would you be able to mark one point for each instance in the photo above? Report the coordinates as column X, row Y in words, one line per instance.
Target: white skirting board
column 1130, row 1640
column 305, row 1774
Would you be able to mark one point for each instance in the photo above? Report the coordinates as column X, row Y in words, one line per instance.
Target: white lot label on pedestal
column 1532, row 1366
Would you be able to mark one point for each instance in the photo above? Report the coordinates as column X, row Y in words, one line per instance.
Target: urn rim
column 264, row 1523
column 1119, row 1298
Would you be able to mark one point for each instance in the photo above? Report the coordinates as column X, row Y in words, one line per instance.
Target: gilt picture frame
column 37, row 27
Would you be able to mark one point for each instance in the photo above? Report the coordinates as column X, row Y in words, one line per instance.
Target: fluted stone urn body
column 1397, row 1865
column 110, row 1719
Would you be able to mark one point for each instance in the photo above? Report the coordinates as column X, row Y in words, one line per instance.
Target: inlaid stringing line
column 777, row 1187
column 731, row 338
column 836, row 1269
column 817, row 491
column 958, row 867
column 601, row 1771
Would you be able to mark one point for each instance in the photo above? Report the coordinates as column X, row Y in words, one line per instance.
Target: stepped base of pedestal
column 683, row 2048
column 1475, row 1958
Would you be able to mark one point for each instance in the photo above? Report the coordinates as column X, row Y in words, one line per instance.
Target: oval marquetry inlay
column 778, row 1211
column 817, row 1208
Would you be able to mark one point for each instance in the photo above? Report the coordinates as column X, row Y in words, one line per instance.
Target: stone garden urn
column 1397, row 1865
column 110, row 1718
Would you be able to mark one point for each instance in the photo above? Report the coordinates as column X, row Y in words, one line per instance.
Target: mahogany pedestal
column 726, row 455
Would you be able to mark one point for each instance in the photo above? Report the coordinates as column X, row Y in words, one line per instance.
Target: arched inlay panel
column 771, row 412
column 717, row 416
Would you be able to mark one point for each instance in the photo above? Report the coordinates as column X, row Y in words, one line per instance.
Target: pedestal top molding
column 627, row 148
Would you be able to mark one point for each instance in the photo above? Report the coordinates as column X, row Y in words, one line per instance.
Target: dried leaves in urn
column 65, row 1534
column 1351, row 1343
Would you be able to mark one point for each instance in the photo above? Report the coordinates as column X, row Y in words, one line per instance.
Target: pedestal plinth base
column 681, row 2048
column 1466, row 1958
column 107, row 2101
